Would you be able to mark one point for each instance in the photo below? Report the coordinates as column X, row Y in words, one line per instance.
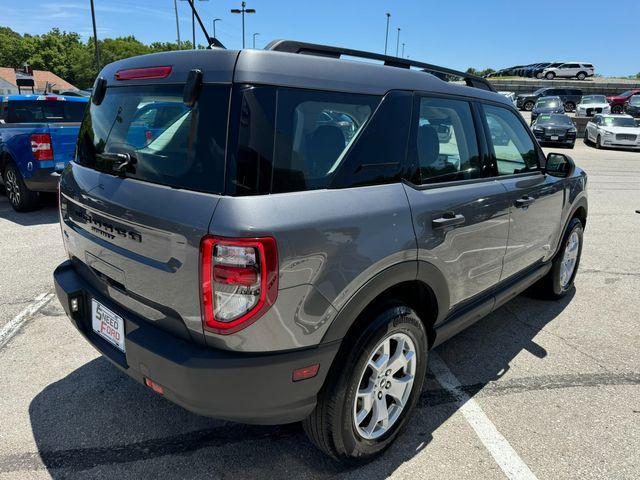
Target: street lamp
column 398, row 43
column 254, row 40
column 214, row 25
column 95, row 35
column 402, row 49
column 175, row 8
column 193, row 23
column 386, row 35
column 243, row 10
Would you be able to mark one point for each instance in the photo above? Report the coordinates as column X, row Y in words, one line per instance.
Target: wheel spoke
column 398, row 389
column 366, row 395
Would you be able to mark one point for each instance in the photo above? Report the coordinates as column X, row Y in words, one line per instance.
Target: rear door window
column 45, row 111
column 443, row 141
column 314, row 130
column 170, row 143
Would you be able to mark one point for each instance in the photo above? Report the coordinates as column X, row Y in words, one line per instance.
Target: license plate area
column 554, row 137
column 107, row 324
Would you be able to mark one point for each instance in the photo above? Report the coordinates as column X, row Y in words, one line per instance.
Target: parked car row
column 549, row 70
column 570, row 97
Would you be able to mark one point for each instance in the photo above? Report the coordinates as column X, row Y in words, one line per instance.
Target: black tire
column 550, row 76
column 528, row 105
column 616, row 109
column 569, row 107
column 572, row 145
column 551, row 286
column 21, row 198
column 585, row 139
column 598, row 142
column 332, row 426
column 581, row 75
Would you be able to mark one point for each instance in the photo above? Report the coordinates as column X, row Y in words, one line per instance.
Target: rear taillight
column 41, row 146
column 239, row 281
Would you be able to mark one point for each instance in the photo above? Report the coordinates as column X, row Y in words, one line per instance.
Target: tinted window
column 170, row 143
column 514, row 149
column 313, row 132
column 43, row 111
column 577, row 93
column 250, row 164
column 554, row 92
column 377, row 155
column 571, row 65
column 443, row 141
column 635, row 100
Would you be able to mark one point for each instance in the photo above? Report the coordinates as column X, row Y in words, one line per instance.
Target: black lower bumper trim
column 249, row 388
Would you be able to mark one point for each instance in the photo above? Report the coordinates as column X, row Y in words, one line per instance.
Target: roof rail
column 292, row 46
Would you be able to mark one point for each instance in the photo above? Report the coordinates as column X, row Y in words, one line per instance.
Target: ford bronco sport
column 282, row 235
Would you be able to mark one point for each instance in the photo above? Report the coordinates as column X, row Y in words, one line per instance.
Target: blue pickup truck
column 38, row 135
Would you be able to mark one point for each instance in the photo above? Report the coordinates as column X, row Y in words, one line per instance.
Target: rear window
column 44, row 111
column 169, row 143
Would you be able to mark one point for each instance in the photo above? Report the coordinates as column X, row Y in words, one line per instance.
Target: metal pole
column 193, row 28
column 243, row 10
column 214, row 26
column 95, row 35
column 175, row 7
column 386, row 35
column 398, row 43
column 402, row 49
column 254, row 39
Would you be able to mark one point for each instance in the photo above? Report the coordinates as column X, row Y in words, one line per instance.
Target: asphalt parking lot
column 559, row 382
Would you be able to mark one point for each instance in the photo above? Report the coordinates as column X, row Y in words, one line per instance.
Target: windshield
column 628, row 93
column 548, row 103
column 162, row 139
column 618, row 122
column 594, row 99
column 540, row 91
column 554, row 119
column 45, row 111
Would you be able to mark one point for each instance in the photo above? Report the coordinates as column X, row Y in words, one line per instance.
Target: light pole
column 402, row 49
column 254, row 40
column 386, row 35
column 243, row 11
column 175, row 7
column 214, row 26
column 398, row 43
column 193, row 23
column 95, row 35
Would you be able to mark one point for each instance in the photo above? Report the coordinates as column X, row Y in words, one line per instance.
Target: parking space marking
column 498, row 446
column 11, row 328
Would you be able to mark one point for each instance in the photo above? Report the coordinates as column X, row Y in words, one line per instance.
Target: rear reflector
column 306, row 372
column 150, row 72
column 41, row 146
column 154, row 386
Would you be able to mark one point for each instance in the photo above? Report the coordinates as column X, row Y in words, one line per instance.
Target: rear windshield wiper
column 120, row 162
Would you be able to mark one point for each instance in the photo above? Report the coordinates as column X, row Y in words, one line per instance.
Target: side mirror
column 560, row 165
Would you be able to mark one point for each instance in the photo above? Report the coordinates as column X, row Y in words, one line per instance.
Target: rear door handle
column 524, row 201
column 448, row 220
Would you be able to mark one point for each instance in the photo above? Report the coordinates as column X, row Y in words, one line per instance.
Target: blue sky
column 455, row 33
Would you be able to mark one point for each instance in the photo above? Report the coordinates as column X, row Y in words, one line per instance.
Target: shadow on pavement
column 99, row 422
column 47, row 211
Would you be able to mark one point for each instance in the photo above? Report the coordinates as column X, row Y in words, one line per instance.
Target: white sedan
column 613, row 131
column 591, row 105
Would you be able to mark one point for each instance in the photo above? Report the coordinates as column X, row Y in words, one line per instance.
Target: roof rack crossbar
column 292, row 46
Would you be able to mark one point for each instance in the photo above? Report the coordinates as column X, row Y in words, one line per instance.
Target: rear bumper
column 248, row 388
column 43, row 180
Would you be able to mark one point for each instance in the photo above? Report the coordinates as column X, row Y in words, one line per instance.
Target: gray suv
column 282, row 235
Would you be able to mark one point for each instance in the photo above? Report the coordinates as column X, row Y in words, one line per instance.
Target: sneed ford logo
column 107, row 229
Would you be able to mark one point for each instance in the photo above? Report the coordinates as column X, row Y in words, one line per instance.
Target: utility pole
column 214, row 26
column 193, row 22
column 254, row 40
column 243, row 11
column 175, row 7
column 402, row 49
column 386, row 35
column 398, row 43
column 95, row 36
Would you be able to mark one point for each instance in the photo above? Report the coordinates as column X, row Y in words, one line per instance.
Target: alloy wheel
column 12, row 187
column 569, row 259
column 385, row 386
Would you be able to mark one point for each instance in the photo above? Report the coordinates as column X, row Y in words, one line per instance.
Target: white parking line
column 498, row 446
column 11, row 328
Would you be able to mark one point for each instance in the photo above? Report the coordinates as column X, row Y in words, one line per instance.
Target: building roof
column 41, row 78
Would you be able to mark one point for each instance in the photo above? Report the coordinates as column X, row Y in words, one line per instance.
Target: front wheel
column 616, row 109
column 528, row 106
column 371, row 393
column 563, row 272
column 598, row 142
column 21, row 198
column 550, row 76
column 570, row 106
